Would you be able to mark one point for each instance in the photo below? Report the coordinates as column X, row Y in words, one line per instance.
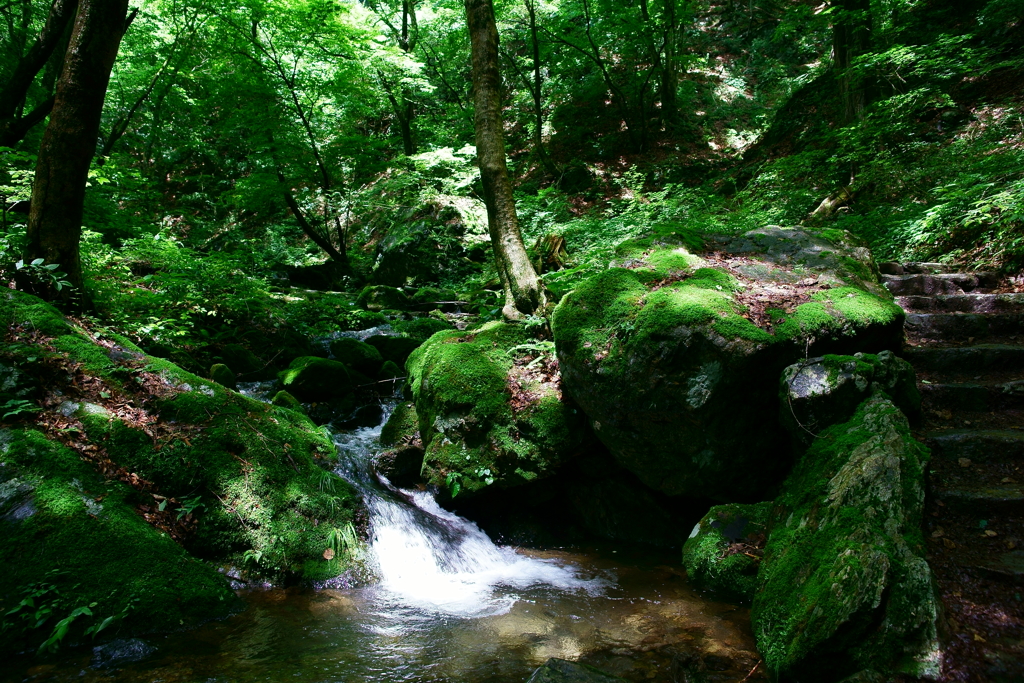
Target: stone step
column 981, row 357
column 978, row 396
column 1003, row 498
column 982, row 446
column 948, row 283
column 963, row 326
column 963, row 303
column 1008, row 566
column 914, row 267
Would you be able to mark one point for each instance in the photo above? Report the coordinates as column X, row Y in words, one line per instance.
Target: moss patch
column 723, row 551
column 486, row 419
column 844, row 585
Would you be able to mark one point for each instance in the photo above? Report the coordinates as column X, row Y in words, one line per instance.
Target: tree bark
column 669, row 77
column 851, row 38
column 69, row 142
column 12, row 96
column 524, row 294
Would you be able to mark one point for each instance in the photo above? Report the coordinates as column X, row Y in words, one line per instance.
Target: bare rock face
column 675, row 355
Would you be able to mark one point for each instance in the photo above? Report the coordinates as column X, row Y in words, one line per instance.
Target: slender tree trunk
column 13, row 126
column 69, row 142
column 669, row 78
column 523, row 291
column 851, row 38
column 537, row 93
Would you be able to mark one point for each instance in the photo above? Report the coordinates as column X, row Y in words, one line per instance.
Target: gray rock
column 819, row 392
column 119, row 652
column 563, row 671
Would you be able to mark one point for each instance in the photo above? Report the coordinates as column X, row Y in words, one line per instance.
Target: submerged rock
column 120, row 651
column 844, row 585
column 563, row 671
column 723, row 552
column 675, row 357
column 490, row 409
column 820, row 392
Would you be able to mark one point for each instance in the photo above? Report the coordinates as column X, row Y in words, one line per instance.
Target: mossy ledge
column 233, row 480
column 490, row 409
column 675, row 357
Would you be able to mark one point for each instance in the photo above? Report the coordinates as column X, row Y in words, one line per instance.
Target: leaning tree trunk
column 69, row 143
column 523, row 291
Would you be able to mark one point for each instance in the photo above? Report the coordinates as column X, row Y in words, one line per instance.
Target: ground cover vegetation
column 209, row 193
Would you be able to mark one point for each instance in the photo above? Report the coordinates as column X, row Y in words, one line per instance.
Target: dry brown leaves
column 66, row 380
column 530, row 378
column 752, row 546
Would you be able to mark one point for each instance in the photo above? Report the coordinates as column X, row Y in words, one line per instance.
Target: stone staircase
column 965, row 339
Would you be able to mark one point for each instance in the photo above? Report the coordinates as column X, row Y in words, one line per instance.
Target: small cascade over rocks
column 433, row 560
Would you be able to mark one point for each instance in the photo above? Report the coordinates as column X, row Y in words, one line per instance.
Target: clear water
column 450, row 605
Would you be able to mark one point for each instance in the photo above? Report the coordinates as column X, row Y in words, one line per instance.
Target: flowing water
column 449, row 605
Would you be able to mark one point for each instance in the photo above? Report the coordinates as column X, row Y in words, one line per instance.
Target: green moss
column 87, row 531
column 847, row 534
column 357, row 355
column 422, row 328
column 310, row 378
column 20, row 309
column 222, row 375
column 585, row 318
column 717, row 555
column 389, row 370
column 860, row 307
column 403, row 423
column 283, row 399
column 461, row 386
column 382, row 297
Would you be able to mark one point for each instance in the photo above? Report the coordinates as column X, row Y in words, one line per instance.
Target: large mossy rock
column 487, row 417
column 675, row 357
column 381, row 297
column 238, row 479
column 819, row 392
column 66, row 525
column 310, row 378
column 357, row 355
column 724, row 548
column 428, row 244
column 844, row 585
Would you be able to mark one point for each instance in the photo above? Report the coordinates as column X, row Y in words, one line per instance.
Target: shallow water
column 448, row 605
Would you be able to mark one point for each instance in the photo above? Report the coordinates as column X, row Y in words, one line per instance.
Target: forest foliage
column 242, row 141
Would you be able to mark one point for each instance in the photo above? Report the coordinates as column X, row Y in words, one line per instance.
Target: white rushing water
column 430, row 559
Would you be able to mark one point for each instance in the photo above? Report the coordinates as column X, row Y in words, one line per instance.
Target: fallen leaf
column 329, row 554
column 965, row 462
column 948, row 543
column 979, row 639
column 938, row 533
column 990, row 533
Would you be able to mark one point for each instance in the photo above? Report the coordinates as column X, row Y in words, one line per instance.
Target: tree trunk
column 851, row 38
column 537, row 92
column 669, row 77
column 69, row 142
column 524, row 294
column 12, row 95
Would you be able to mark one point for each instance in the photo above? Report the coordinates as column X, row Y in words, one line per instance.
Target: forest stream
column 449, row 604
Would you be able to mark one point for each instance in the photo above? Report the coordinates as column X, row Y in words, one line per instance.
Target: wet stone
column 120, row 651
column 563, row 671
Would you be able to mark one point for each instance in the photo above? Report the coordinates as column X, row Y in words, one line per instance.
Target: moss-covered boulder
column 490, row 409
column 381, row 297
column 422, row 329
column 434, row 298
column 394, row 349
column 310, row 378
column 723, row 552
column 283, row 399
column 675, row 357
column 844, row 585
column 389, row 370
column 428, row 244
column 222, row 375
column 401, row 457
column 68, row 528
column 241, row 359
column 229, row 478
column 357, row 355
column 819, row 392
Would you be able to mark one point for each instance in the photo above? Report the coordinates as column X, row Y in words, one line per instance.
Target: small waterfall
column 433, row 560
